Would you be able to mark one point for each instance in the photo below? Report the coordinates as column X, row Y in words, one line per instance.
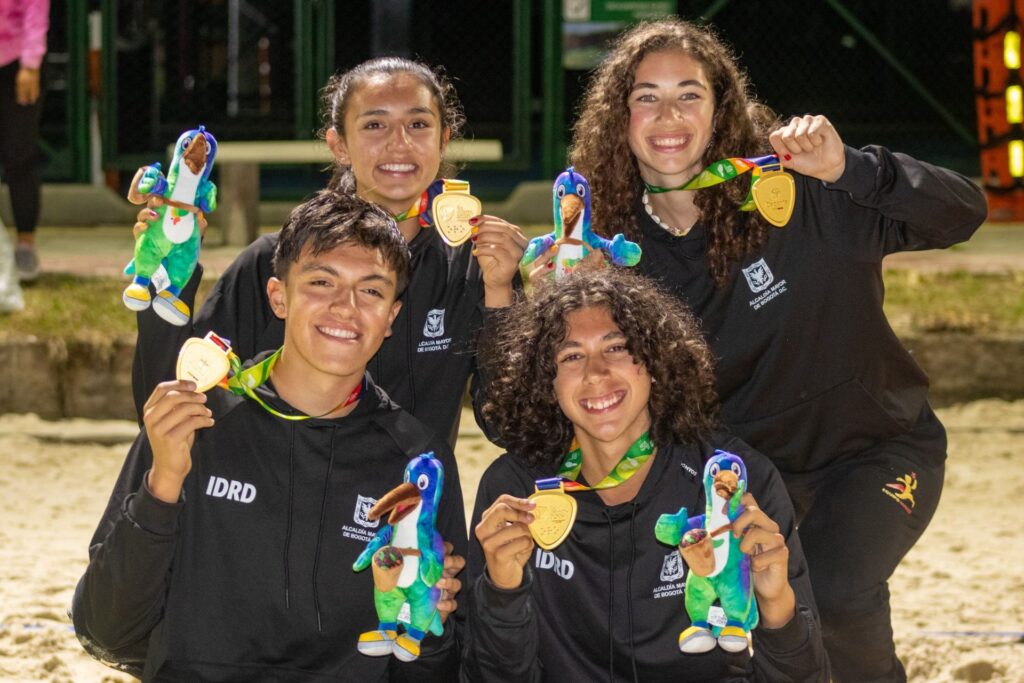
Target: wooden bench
column 239, row 175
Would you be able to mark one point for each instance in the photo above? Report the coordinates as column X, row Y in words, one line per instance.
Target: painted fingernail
column 474, row 220
column 474, row 230
column 473, row 238
column 551, row 264
column 788, row 157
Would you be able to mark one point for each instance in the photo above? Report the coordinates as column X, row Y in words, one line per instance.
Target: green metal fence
column 896, row 73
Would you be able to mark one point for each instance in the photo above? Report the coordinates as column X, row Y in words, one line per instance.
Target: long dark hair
column 600, row 148
column 341, row 86
column 519, row 361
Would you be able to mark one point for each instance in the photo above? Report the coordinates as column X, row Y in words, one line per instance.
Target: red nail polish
column 788, row 157
column 551, row 264
column 474, row 220
column 473, row 238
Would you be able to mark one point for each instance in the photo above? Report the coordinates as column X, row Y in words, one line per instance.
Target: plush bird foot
column 733, row 639
column 407, row 648
column 171, row 308
column 377, row 643
column 696, row 640
column 136, row 297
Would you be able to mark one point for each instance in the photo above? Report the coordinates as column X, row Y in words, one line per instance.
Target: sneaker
column 27, row 262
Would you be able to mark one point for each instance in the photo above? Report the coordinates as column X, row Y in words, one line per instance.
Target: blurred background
column 124, row 77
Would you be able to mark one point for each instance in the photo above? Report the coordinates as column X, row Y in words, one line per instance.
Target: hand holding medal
column 811, row 146
column 505, row 538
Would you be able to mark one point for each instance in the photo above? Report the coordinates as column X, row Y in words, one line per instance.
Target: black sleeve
column 502, row 642
column 236, row 309
column 491, row 319
column 120, row 599
column 157, row 344
column 794, row 652
column 887, row 202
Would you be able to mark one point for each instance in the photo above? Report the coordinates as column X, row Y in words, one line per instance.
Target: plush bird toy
column 718, row 569
column 573, row 236
column 170, row 228
column 408, row 558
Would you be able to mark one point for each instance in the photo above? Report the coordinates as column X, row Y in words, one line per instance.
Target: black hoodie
column 423, row 366
column 607, row 604
column 808, row 369
column 249, row 576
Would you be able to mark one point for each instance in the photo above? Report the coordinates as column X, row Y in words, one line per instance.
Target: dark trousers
column 858, row 521
column 19, row 151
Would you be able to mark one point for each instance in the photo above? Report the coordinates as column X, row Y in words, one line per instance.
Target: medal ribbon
column 423, row 205
column 245, row 381
column 725, row 170
column 638, row 454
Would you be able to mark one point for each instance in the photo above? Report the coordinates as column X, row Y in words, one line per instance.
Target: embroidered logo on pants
column 902, row 491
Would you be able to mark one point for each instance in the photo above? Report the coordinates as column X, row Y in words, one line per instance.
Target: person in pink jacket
column 23, row 27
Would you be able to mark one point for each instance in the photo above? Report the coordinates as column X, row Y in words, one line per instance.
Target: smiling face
column 393, row 139
column 338, row 307
column 599, row 386
column 671, row 111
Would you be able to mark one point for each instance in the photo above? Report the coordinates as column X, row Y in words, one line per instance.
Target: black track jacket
column 607, row 604
column 809, row 370
column 423, row 366
column 249, row 577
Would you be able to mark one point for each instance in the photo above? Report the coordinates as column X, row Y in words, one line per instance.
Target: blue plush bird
column 408, row 558
column 727, row 579
column 573, row 235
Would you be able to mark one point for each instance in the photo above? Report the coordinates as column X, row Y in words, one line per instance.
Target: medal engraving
column 203, row 362
column 554, row 515
column 452, row 211
column 775, row 196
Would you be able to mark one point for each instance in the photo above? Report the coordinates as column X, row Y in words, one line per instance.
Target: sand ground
column 958, row 597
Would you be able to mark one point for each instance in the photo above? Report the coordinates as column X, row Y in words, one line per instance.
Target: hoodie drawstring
column 611, row 597
column 320, row 532
column 629, row 588
column 288, row 528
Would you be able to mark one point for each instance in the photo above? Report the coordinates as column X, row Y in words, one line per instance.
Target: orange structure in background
column 1000, row 103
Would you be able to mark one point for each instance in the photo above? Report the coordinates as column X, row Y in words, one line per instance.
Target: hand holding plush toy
column 573, row 237
column 408, row 559
column 170, row 228
column 718, row 569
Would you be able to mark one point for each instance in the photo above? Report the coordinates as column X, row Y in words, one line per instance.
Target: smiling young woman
column 388, row 122
column 809, row 370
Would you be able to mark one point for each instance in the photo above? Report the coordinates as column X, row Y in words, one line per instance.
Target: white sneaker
column 27, row 262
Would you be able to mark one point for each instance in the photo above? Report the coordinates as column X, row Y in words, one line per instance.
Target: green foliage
column 73, row 307
column 90, row 308
column 972, row 303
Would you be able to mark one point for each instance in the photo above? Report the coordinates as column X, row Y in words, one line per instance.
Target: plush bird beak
column 726, row 483
column 571, row 206
column 195, row 153
column 399, row 501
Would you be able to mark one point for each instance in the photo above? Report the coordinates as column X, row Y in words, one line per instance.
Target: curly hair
column 341, row 86
column 519, row 361
column 600, row 148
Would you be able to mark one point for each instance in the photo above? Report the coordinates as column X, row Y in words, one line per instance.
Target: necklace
column 678, row 232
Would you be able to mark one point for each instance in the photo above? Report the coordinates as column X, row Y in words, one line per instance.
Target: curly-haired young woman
column 808, row 369
column 606, row 368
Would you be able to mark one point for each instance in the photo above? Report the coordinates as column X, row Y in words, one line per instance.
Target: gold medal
column 452, row 210
column 203, row 361
column 775, row 196
column 554, row 515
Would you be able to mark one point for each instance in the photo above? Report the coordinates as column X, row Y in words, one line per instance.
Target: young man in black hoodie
column 226, row 549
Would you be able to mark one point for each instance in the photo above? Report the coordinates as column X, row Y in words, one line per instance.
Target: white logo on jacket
column 363, row 505
column 434, row 327
column 759, row 276
column 672, row 568
column 544, row 559
column 229, row 489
